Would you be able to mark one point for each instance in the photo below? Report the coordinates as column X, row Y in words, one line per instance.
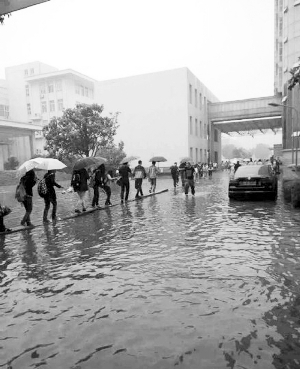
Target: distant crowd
column 99, row 179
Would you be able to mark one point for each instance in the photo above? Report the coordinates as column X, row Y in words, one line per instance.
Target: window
column 191, row 94
column 4, row 111
column 27, row 90
column 28, row 109
column 82, row 90
column 60, row 105
column 196, row 100
column 58, row 85
column 201, row 157
column 200, row 101
column 43, row 107
column 91, row 93
column 216, row 157
column 51, row 106
column 205, row 157
column 31, row 70
column 191, row 153
column 280, row 52
column 204, row 103
column 191, row 126
column 26, row 72
column 50, row 87
column 280, row 26
column 196, row 156
column 42, row 89
column 216, row 135
column 86, row 91
column 196, row 127
column 77, row 89
column 200, row 128
column 206, row 131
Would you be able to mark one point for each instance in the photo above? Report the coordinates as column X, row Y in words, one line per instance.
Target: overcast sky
column 228, row 45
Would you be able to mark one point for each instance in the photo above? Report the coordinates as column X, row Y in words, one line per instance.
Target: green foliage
column 114, row 154
column 230, row 151
column 295, row 79
column 11, row 164
column 80, row 132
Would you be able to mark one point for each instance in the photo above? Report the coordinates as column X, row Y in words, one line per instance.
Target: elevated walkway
column 246, row 115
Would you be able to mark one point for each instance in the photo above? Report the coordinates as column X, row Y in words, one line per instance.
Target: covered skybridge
column 246, row 117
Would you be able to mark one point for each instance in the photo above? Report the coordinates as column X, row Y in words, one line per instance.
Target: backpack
column 20, row 192
column 42, row 188
column 76, row 181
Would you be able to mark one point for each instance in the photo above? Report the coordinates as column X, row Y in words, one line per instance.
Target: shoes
column 46, row 221
column 122, row 201
column 98, row 207
column 77, row 211
column 22, row 223
column 149, row 191
column 138, row 197
column 29, row 224
column 83, row 209
column 8, row 230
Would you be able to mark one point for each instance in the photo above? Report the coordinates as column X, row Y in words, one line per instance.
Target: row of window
column 52, row 107
column 199, row 156
column 50, row 87
column 27, row 71
column 196, row 98
column 4, row 111
column 198, row 128
column 84, row 91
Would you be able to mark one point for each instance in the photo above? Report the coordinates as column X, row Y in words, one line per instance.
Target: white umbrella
column 40, row 163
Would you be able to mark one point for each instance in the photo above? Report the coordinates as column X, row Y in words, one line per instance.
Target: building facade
column 163, row 113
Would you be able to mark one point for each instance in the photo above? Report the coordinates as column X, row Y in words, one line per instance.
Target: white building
column 163, row 113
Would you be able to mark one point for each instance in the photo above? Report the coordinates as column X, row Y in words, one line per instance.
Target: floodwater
column 168, row 281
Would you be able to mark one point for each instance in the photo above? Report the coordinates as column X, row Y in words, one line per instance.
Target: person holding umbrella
column 29, row 180
column 50, row 197
column 80, row 186
column 139, row 174
column 124, row 171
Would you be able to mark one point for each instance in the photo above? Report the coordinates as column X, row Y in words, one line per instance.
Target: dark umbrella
column 186, row 159
column 158, row 159
column 88, row 162
column 128, row 159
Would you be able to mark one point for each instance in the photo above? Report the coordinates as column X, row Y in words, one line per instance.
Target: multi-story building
column 287, row 54
column 287, row 41
column 162, row 113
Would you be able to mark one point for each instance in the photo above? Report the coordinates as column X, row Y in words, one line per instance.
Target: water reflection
column 166, row 281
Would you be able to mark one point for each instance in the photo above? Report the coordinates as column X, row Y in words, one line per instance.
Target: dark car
column 253, row 181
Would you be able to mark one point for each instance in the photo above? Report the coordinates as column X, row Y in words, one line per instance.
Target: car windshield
column 252, row 171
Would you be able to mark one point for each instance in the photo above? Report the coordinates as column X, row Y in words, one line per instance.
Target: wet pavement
column 167, row 281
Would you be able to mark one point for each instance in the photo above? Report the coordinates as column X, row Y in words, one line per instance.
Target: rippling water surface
column 168, row 281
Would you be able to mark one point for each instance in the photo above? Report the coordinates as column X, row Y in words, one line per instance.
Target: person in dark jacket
column 50, row 197
column 182, row 173
column 175, row 174
column 98, row 177
column 124, row 171
column 29, row 181
column 4, row 210
column 80, row 186
column 189, row 179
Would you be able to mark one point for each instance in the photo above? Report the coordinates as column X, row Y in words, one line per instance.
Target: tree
column 11, row 163
column 114, row 154
column 262, row 151
column 81, row 131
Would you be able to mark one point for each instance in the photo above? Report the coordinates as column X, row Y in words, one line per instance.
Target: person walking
column 105, row 180
column 181, row 170
column 50, row 197
column 189, row 179
column 124, row 172
column 174, row 174
column 4, row 210
column 210, row 170
column 139, row 173
column 97, row 178
column 236, row 166
column 79, row 184
column 153, row 172
column 29, row 180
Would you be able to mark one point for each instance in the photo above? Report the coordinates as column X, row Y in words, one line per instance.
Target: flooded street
column 168, row 281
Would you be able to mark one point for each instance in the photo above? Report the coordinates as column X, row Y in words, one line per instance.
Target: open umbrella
column 186, row 159
column 88, row 162
column 128, row 159
column 158, row 159
column 40, row 163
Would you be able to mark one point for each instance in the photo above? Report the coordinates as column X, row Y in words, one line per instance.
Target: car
column 253, row 181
